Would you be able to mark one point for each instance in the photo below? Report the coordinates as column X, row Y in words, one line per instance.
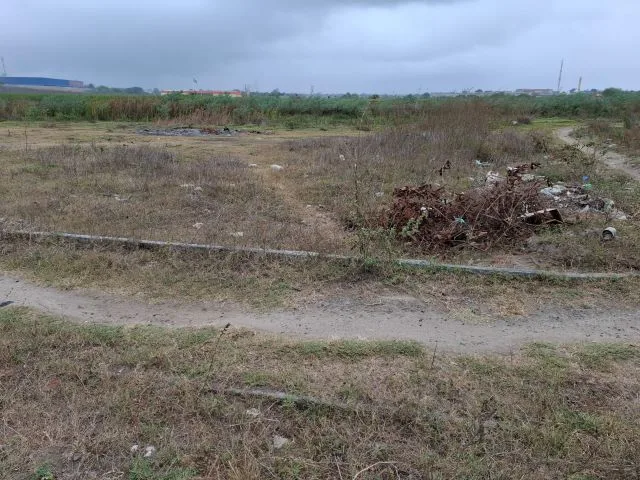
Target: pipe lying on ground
column 301, row 254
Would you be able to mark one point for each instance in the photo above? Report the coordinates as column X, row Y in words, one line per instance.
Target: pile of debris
column 190, row 132
column 502, row 212
column 579, row 198
column 505, row 210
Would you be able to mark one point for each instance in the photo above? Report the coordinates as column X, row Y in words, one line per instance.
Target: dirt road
column 610, row 158
column 400, row 317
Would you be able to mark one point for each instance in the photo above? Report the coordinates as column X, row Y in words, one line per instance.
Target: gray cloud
column 356, row 45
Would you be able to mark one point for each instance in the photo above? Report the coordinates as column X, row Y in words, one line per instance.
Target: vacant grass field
column 149, row 403
column 76, row 399
column 330, row 195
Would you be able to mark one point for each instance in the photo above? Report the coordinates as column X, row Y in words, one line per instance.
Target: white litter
column 279, row 442
column 149, row 451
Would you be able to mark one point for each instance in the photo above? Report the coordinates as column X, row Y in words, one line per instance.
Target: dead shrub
column 434, row 218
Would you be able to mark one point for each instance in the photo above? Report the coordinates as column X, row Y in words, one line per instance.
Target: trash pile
column 505, row 210
column 502, row 212
column 579, row 198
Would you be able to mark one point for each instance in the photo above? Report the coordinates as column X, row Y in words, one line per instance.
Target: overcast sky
column 380, row 46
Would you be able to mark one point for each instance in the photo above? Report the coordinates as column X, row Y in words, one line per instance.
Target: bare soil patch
column 450, row 323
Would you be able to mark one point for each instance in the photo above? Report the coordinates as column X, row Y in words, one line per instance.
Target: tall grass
column 295, row 111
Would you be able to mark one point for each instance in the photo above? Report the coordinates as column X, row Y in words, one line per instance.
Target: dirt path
column 400, row 317
column 612, row 159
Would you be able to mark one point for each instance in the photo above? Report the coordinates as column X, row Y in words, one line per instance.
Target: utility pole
column 560, row 76
column 4, row 70
column 580, row 85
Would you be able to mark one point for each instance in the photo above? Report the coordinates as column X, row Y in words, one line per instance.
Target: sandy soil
column 398, row 317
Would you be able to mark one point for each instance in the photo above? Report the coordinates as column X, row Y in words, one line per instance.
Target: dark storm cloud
column 356, row 45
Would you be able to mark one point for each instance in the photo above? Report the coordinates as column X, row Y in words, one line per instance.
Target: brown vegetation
column 75, row 400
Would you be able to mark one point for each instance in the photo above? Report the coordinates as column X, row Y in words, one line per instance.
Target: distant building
column 213, row 93
column 39, row 82
column 536, row 92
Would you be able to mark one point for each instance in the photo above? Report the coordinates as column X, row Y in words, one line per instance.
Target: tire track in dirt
column 391, row 318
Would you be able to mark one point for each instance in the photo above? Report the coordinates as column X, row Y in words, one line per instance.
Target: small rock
column 135, row 448
column 253, row 165
column 379, row 194
column 197, row 189
column 198, row 225
column 187, row 185
column 237, row 234
column 342, row 159
column 253, row 412
column 279, row 442
column 277, row 168
column 149, row 451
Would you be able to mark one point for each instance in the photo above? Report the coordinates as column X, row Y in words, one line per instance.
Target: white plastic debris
column 379, row 194
column 149, row 451
column 609, row 234
column 342, row 159
column 237, row 234
column 197, row 189
column 135, row 448
column 618, row 215
column 493, row 177
column 253, row 412
column 253, row 165
column 277, row 168
column 187, row 185
column 554, row 191
column 198, row 225
column 279, row 442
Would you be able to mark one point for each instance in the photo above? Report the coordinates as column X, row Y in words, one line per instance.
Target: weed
column 43, row 472
column 602, row 355
column 143, row 469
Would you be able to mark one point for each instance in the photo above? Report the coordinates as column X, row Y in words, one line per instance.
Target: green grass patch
column 602, row 356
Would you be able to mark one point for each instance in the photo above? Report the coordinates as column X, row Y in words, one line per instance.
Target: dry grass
column 139, row 191
column 625, row 136
column 103, row 179
column 265, row 283
column 76, row 399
